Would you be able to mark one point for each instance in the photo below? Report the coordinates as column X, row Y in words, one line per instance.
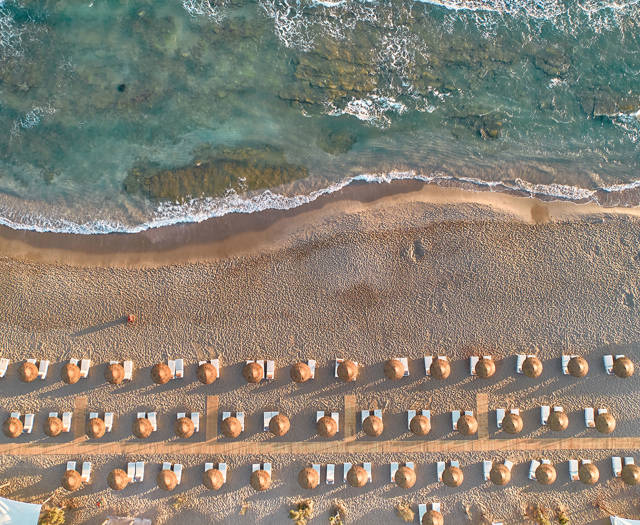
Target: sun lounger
column 208, row 466
column 364, row 414
column 172, row 366
column 85, row 364
column 545, row 461
column 454, row 463
column 270, row 370
column 166, row 466
column 179, row 369
column 440, row 466
column 222, row 467
column 500, row 413
column 312, row 366
column 4, row 365
column 152, row 417
column 17, row 415
column 616, row 465
column 367, row 467
column 573, row 470
column 195, row 417
column 66, row 421
column 455, row 416
column 43, row 368
column 240, row 417
column 177, row 470
column 608, row 363
column 86, row 471
column 393, row 468
column 267, row 468
column 128, row 370
column 71, row 465
column 589, row 420
column 486, row 469
column 131, row 471
column 405, row 364
column 435, row 506
column 628, row 461
column 141, row 415
column 92, row 415
column 428, row 360
column 508, row 464
column 53, row 414
column 139, row 477
column 558, row 409
column 346, row 469
column 331, row 473
column 422, row 510
column 28, row 423
column 545, row 411
column 267, row 418
column 108, row 421
column 532, row 469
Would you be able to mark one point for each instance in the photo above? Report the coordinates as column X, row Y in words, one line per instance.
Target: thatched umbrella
column 432, row 517
column 260, row 480
column 167, row 480
column 300, row 372
column 588, row 473
column 467, row 425
column 326, row 427
column 605, row 423
column 308, row 478
column 623, row 367
column 440, row 368
column 393, row 369
column 72, row 480
column 118, row 479
column 357, row 476
column 28, row 372
column 12, row 427
column 253, row 372
column 631, row 474
column 213, row 479
column 405, row 477
column 452, row 476
column 578, row 366
column 142, row 428
column 546, row 474
column 347, row 370
column 420, row 425
column 485, row 367
column 231, row 427
column 161, row 374
column 207, row 373
column 53, row 426
column 70, row 373
column 512, row 423
column 96, row 428
column 184, row 427
column 532, row 367
column 114, row 373
column 558, row 421
column 372, row 426
column 500, row 474
column 279, row 425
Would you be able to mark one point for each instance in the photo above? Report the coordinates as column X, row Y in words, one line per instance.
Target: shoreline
column 239, row 234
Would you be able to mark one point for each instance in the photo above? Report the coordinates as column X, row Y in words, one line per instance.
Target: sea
column 126, row 115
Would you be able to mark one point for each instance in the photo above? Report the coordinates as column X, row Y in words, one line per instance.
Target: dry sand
column 431, row 271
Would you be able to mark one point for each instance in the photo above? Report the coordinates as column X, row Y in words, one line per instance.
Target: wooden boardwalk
column 482, row 413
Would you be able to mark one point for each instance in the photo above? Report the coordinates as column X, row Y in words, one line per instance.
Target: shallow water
column 119, row 116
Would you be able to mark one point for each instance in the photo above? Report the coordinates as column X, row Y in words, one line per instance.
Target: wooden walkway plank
column 79, row 421
column 349, row 418
column 211, row 429
column 482, row 413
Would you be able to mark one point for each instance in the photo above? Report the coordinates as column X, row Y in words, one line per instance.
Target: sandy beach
column 371, row 273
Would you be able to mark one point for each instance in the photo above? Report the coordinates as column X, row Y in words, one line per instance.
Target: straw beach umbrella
column 308, row 478
column 532, row 367
column 512, row 423
column 161, row 374
column 167, row 480
column 357, row 476
column 405, row 477
column 467, row 425
column 578, row 366
column 213, row 479
column 207, row 373
column 279, row 425
column 500, row 474
column 485, row 367
column 432, row 517
column 326, row 427
column 420, row 425
column 72, row 480
column 184, row 427
column 114, row 373
column 12, row 427
column 558, row 421
column 28, row 372
column 70, row 373
column 231, row 427
column 452, row 476
column 96, row 428
column 300, row 372
column 546, row 474
column 372, row 426
column 588, row 473
column 440, row 368
column 347, row 370
column 118, row 479
column 605, row 423
column 393, row 369
column 623, row 367
column 260, row 480
column 253, row 373
column 53, row 426
column 631, row 474
column 142, row 428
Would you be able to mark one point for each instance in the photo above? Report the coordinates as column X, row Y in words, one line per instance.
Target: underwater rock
column 337, row 142
column 486, row 126
column 604, row 102
column 553, row 61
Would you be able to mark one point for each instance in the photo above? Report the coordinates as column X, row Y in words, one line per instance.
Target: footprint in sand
column 415, row 252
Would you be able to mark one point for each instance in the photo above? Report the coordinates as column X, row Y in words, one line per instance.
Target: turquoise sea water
column 124, row 115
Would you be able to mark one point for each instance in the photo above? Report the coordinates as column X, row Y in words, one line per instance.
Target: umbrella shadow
column 102, row 326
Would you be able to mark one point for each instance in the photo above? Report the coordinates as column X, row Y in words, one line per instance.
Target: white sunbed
column 166, row 466
column 331, row 472
column 486, row 469
column 532, row 469
column 500, row 413
column 128, row 370
column 316, row 467
column 171, row 363
column 367, row 468
column 573, row 470
column 393, row 468
column 454, row 463
column 92, row 415
column 405, row 364
column 312, row 366
column 616, row 466
column 240, row 417
column 66, row 421
column 608, row 363
column 28, row 423
column 71, row 465
column 179, row 369
column 222, row 467
column 435, row 506
column 141, row 415
column 195, row 417
column 152, row 417
column 428, row 360
column 85, row 364
column 422, row 510
column 177, row 470
column 4, row 365
column 440, row 466
column 208, row 466
column 139, row 475
column 267, row 468
column 455, row 416
column 268, row 416
column 345, row 470
column 378, row 413
column 53, row 414
column 86, row 471
column 131, row 471
column 108, row 421
column 43, row 368
column 545, row 411
column 270, row 370
column 508, row 464
column 628, row 461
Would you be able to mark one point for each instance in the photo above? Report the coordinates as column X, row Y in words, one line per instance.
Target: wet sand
column 413, row 272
